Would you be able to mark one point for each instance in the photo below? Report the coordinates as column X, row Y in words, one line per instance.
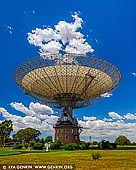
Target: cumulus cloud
column 89, row 118
column 103, row 129
column 42, row 117
column 63, row 37
column 34, row 108
column 130, row 116
column 40, row 109
column 115, row 115
column 20, row 107
column 107, row 120
column 37, row 116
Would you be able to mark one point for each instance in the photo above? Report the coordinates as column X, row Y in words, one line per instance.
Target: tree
column 71, row 146
column 26, row 135
column 31, row 144
column 41, row 141
column 84, row 145
column 105, row 144
column 122, row 140
column 5, row 130
column 55, row 145
column 48, row 139
column 38, row 146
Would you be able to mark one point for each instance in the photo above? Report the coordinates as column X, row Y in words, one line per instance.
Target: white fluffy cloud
column 40, row 109
column 109, row 129
column 115, row 115
column 37, row 116
column 34, row 108
column 42, row 117
column 101, row 129
column 89, row 118
column 130, row 116
column 20, row 107
column 64, row 37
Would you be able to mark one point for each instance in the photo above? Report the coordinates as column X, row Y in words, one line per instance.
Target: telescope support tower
column 67, row 129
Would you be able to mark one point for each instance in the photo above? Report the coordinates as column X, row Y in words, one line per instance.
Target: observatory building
column 67, row 82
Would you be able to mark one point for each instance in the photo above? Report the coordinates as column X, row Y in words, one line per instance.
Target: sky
column 108, row 28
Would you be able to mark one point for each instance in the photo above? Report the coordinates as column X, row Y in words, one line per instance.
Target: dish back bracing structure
column 67, row 82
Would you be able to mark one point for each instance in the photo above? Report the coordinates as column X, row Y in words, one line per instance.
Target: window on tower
column 66, row 137
column 71, row 131
column 66, row 130
column 61, row 130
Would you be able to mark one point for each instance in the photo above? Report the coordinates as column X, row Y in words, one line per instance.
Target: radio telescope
column 67, row 82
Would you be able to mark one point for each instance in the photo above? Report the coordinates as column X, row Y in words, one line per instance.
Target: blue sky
column 109, row 27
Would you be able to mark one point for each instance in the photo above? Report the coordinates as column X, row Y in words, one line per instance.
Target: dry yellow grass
column 110, row 160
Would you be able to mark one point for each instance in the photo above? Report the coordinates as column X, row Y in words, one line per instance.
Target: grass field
column 110, row 160
column 8, row 151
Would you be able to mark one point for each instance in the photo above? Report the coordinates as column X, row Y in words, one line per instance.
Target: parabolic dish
column 75, row 79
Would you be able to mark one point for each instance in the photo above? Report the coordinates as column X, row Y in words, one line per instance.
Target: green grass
column 126, row 147
column 8, row 151
column 110, row 160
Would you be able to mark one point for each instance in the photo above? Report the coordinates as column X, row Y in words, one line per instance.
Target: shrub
column 105, row 144
column 55, row 145
column 96, row 155
column 41, row 141
column 84, row 146
column 48, row 139
column 113, row 146
column 18, row 146
column 38, row 146
column 70, row 146
column 26, row 145
column 31, row 144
